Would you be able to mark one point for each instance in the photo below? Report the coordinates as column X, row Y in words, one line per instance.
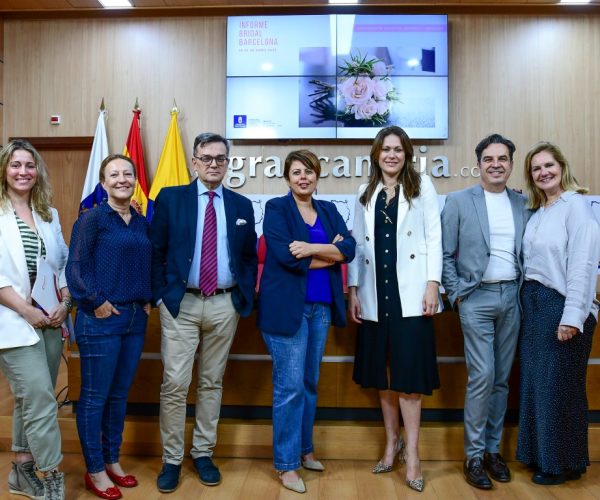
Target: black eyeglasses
column 207, row 160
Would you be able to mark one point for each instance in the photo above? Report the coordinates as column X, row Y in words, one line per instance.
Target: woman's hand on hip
column 105, row 310
column 354, row 305
column 147, row 308
column 430, row 299
column 566, row 332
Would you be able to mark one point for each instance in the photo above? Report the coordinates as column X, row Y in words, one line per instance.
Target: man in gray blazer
column 482, row 229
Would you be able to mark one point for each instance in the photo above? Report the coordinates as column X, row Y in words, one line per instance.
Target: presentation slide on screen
column 333, row 76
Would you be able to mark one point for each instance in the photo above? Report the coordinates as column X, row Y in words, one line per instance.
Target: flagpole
column 137, row 110
column 93, row 193
column 134, row 150
column 172, row 169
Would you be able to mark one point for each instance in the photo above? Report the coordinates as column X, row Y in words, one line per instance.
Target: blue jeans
column 296, row 363
column 110, row 350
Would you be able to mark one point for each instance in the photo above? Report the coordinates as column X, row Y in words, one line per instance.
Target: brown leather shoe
column 475, row 474
column 496, row 467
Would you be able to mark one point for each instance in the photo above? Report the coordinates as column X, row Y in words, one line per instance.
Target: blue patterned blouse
column 109, row 259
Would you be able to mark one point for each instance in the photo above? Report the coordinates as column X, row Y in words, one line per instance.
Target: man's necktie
column 208, row 262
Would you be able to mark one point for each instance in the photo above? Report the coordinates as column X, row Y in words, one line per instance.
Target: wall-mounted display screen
column 336, row 76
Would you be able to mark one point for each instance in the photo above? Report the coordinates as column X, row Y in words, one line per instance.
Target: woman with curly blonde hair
column 31, row 339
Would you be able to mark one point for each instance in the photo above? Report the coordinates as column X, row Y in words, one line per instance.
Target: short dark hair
column 304, row 156
column 494, row 139
column 208, row 137
column 112, row 157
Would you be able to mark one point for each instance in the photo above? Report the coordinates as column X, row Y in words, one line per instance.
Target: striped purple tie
column 208, row 262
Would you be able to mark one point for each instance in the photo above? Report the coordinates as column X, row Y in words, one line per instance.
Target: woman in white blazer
column 393, row 293
column 30, row 338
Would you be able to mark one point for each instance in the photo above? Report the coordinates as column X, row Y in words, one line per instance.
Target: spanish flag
column 133, row 149
column 172, row 169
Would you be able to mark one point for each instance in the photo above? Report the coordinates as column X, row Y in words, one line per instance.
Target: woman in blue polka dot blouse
column 108, row 272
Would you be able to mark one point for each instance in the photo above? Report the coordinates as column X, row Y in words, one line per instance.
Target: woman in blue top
column 300, row 295
column 108, row 272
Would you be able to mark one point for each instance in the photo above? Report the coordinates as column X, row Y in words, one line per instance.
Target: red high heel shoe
column 127, row 481
column 112, row 493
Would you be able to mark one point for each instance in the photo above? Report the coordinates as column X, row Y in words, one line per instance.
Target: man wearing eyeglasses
column 204, row 267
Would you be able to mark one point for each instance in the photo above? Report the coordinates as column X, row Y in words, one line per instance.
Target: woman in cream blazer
column 30, row 338
column 418, row 241
column 393, row 293
column 13, row 271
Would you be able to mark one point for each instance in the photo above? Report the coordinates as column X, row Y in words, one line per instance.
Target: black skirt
column 394, row 352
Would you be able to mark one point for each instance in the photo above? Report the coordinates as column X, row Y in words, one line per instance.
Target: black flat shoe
column 546, row 479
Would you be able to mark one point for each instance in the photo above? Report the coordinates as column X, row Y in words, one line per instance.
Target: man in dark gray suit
column 482, row 229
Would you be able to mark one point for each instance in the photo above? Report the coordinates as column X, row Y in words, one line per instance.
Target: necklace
column 390, row 193
column 386, row 217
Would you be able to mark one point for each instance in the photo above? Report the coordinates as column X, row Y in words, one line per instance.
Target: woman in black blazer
column 300, row 295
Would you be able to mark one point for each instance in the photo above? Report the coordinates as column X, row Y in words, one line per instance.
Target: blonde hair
column 537, row 197
column 40, row 197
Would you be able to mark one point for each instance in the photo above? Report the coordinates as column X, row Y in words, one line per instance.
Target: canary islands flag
column 172, row 169
column 133, row 149
column 93, row 192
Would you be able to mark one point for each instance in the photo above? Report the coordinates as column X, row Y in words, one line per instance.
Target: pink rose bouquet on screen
column 364, row 94
column 365, row 90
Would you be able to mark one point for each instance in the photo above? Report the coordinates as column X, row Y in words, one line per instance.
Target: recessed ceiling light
column 574, row 1
column 115, row 3
column 343, row 2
